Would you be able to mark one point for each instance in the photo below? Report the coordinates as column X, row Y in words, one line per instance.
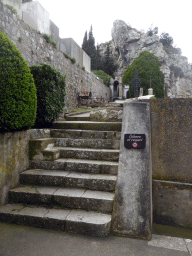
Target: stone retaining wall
column 36, row 50
column 14, row 157
column 171, row 124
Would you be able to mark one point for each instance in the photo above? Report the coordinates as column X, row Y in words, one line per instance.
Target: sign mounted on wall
column 136, row 141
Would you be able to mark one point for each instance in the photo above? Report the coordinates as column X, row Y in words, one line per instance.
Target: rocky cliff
column 128, row 42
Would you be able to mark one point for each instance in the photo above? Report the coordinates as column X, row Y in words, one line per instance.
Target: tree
column 85, row 43
column 105, row 77
column 152, row 31
column 109, row 66
column 148, row 65
column 89, row 47
column 99, row 60
column 166, row 39
column 18, row 99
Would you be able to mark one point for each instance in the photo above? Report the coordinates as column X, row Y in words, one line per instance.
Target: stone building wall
column 36, row 50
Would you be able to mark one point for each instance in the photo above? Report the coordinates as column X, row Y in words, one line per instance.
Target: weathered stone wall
column 14, row 157
column 171, row 121
column 172, row 203
column 36, row 50
column 16, row 5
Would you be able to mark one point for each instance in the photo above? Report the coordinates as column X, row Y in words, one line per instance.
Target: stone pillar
column 141, row 92
column 111, row 87
column 150, row 91
column 120, row 88
column 132, row 211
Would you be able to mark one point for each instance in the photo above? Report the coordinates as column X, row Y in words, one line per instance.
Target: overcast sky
column 74, row 17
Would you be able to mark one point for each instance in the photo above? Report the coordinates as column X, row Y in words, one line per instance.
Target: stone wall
column 171, row 121
column 39, row 14
column 14, row 157
column 16, row 5
column 36, row 50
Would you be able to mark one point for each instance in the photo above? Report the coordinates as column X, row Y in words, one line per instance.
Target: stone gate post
column 132, row 211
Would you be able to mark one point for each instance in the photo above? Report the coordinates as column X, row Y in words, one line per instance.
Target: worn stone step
column 87, row 125
column 76, row 221
column 85, row 134
column 91, row 154
column 60, row 178
column 78, row 118
column 77, row 165
column 66, row 197
column 36, row 146
column 88, row 143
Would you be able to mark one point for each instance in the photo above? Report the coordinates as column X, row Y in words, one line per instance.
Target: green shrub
column 18, row 100
column 48, row 40
column 73, row 60
column 11, row 8
column 50, row 86
column 105, row 77
column 148, row 65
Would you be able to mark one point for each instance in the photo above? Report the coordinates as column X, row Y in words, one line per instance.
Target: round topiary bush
column 50, row 86
column 18, row 100
column 148, row 66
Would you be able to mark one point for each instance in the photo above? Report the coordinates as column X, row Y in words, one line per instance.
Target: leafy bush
column 11, row 8
column 48, row 40
column 148, row 65
column 166, row 39
column 50, row 86
column 73, row 60
column 105, row 77
column 18, row 100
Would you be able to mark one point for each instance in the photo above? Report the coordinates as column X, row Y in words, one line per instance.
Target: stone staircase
column 71, row 181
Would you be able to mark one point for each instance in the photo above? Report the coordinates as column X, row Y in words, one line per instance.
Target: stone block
column 172, row 203
column 36, row 146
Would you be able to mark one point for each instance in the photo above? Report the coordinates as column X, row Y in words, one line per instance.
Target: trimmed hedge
column 50, row 86
column 18, row 100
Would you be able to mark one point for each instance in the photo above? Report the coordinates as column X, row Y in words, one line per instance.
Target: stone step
column 87, row 125
column 78, row 165
column 76, row 221
column 66, row 197
column 60, row 178
column 78, row 118
column 88, row 143
column 91, row 154
column 85, row 134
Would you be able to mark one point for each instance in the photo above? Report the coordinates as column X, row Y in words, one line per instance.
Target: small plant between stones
column 48, row 40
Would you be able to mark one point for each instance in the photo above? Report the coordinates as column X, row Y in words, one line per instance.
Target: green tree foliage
column 50, row 86
column 148, row 65
column 97, row 62
column 152, row 31
column 89, row 47
column 18, row 100
column 105, row 77
column 109, row 67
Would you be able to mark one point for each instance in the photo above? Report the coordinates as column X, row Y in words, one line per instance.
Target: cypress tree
column 109, row 66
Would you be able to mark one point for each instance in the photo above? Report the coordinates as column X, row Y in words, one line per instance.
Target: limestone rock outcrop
column 126, row 45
